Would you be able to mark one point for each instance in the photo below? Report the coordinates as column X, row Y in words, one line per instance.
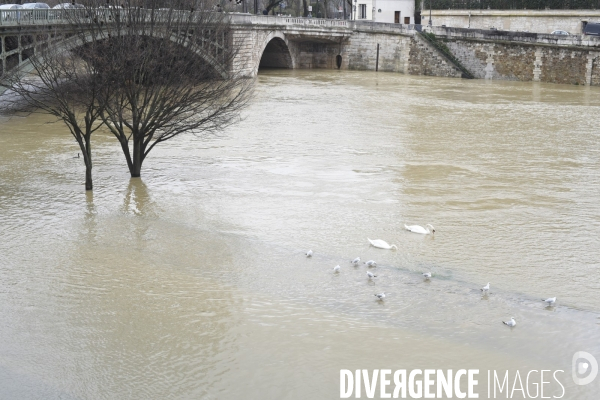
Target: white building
column 390, row 11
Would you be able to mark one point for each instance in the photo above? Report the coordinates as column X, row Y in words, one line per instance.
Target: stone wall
column 425, row 59
column 541, row 21
column 317, row 55
column 486, row 54
column 360, row 52
column 398, row 52
column 593, row 68
column 524, row 57
column 494, row 61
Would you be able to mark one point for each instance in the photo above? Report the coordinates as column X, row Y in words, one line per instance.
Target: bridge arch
column 75, row 41
column 275, row 52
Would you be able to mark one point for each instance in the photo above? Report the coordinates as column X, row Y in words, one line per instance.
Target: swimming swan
column 381, row 244
column 420, row 229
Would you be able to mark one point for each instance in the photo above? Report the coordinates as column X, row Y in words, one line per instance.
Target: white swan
column 420, row 229
column 382, row 244
column 512, row 323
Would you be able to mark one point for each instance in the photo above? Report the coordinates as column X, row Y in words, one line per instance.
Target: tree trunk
column 87, row 158
column 136, row 162
column 88, row 178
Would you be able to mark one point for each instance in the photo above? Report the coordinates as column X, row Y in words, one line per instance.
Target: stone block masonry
column 541, row 21
column 504, row 55
column 405, row 53
column 284, row 42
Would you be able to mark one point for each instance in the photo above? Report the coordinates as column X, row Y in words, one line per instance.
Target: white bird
column 420, row 229
column 382, row 244
column 371, row 263
column 512, row 323
column 370, row 275
column 336, row 268
column 550, row 301
column 485, row 288
column 309, row 253
column 427, row 275
column 355, row 261
column 380, row 296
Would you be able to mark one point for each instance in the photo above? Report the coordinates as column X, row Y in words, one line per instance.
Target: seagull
column 382, row 244
column 427, row 275
column 336, row 268
column 380, row 296
column 371, row 263
column 309, row 253
column 485, row 288
column 550, row 301
column 420, row 229
column 355, row 261
column 512, row 323
column 370, row 275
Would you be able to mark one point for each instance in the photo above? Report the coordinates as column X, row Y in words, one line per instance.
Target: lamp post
column 430, row 24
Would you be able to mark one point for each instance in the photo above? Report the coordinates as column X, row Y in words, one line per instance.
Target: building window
column 362, row 12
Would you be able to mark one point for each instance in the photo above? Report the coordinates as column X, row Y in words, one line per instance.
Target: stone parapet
column 540, row 21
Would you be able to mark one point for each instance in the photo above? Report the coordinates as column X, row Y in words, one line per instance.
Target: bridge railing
column 24, row 16
column 63, row 16
column 513, row 36
column 251, row 19
column 107, row 14
column 385, row 27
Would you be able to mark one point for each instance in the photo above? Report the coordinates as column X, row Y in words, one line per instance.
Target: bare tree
column 146, row 72
column 169, row 72
column 60, row 83
column 271, row 5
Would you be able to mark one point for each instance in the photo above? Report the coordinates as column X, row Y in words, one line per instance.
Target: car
column 559, row 32
column 592, row 28
column 8, row 11
column 35, row 10
column 57, row 9
column 36, row 6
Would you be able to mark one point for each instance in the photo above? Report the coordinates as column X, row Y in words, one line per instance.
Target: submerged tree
column 146, row 72
column 60, row 83
column 168, row 72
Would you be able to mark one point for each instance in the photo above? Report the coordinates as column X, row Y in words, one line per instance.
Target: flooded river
column 192, row 282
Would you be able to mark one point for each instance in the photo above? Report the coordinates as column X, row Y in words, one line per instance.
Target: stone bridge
column 264, row 41
column 289, row 42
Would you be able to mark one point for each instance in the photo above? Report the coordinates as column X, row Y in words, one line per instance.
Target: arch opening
column 276, row 55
